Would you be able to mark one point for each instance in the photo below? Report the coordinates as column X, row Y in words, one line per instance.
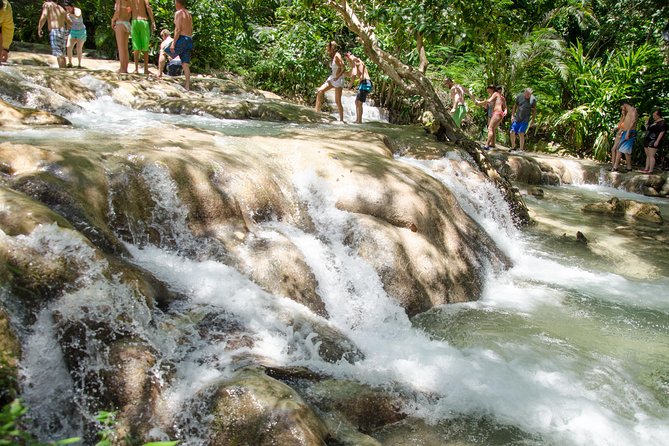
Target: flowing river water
column 570, row 346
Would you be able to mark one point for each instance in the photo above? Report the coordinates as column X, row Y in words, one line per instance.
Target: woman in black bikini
column 656, row 129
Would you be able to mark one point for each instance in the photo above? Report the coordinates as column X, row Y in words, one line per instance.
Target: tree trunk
column 414, row 82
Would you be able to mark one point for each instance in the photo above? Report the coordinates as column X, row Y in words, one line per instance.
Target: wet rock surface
column 620, row 208
column 76, row 201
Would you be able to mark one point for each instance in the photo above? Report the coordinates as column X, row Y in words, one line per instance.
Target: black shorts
column 363, row 90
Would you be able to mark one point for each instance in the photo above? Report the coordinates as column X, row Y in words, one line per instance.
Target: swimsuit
column 339, row 82
column 124, row 23
column 58, row 40
column 459, row 114
column 141, row 34
column 363, row 90
column 78, row 29
column 654, row 131
column 182, row 48
column 519, row 127
column 627, row 144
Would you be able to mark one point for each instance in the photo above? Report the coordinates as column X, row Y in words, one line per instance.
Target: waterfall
column 370, row 113
column 555, row 352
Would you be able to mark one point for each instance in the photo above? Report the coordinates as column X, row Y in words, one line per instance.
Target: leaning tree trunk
column 414, row 82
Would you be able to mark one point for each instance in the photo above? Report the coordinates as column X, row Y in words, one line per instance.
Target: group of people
column 626, row 135
column 130, row 20
column 523, row 114
column 66, row 29
column 337, row 81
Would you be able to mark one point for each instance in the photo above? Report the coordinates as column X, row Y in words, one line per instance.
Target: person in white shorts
column 335, row 80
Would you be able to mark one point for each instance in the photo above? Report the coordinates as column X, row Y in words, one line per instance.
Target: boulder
column 11, row 116
column 617, row 207
column 10, row 353
column 252, row 409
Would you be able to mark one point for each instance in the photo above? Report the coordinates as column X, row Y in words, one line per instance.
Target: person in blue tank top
column 77, row 34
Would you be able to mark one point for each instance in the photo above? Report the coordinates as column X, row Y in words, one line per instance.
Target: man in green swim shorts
column 140, row 32
column 458, row 108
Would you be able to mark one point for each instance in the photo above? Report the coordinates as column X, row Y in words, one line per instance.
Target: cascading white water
column 370, row 113
column 547, row 350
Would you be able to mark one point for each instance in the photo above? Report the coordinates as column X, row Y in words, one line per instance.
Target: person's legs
column 521, row 136
column 135, row 55
column 80, row 50
column 650, row 159
column 512, row 136
column 146, row 63
column 340, row 107
column 162, row 59
column 616, row 160
column 492, row 129
column 358, row 112
column 616, row 142
column 186, row 68
column 628, row 160
column 320, row 93
column 70, row 46
column 122, row 45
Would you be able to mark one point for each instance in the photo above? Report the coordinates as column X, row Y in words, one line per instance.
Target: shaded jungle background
column 581, row 57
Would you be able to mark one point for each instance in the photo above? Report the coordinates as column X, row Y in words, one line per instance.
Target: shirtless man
column 120, row 23
column 359, row 70
column 141, row 33
column 182, row 45
column 626, row 136
column 458, row 108
column 57, row 21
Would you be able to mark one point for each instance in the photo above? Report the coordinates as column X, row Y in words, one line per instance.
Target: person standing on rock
column 57, row 21
column 498, row 103
column 522, row 117
column 627, row 135
column 6, row 29
column 458, row 107
column 77, row 34
column 120, row 23
column 335, row 80
column 359, row 70
column 141, row 33
column 182, row 43
column 655, row 131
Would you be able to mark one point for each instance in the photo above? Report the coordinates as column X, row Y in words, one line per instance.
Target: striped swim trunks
column 58, row 39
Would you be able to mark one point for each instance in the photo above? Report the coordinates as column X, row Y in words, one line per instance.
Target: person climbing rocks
column 626, row 137
column 335, row 80
column 77, row 35
column 458, row 107
column 55, row 17
column 522, row 117
column 359, row 70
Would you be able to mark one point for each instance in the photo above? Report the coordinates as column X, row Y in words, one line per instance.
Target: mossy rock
column 10, row 353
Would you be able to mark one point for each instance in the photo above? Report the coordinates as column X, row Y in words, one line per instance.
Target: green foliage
column 596, row 87
column 11, row 432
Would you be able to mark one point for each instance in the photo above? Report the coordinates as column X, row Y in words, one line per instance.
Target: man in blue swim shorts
column 359, row 70
column 182, row 45
column 627, row 137
column 522, row 117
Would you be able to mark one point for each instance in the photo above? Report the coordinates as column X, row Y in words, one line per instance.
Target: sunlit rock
column 254, row 409
column 617, row 207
